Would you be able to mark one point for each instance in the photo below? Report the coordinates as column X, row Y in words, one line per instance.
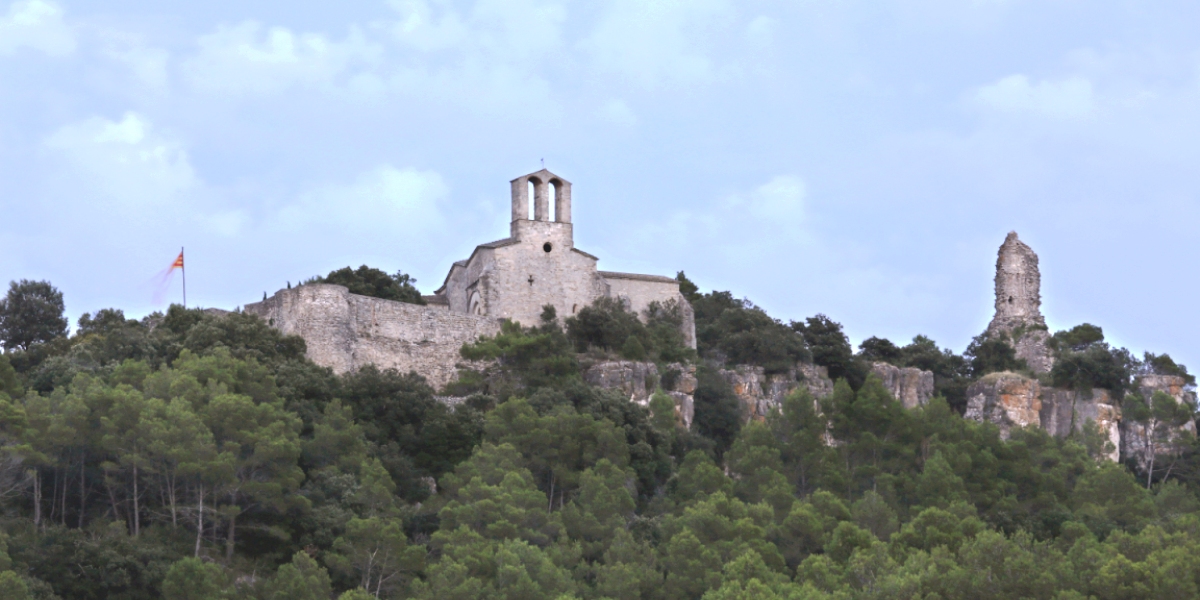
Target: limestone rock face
column 1006, row 399
column 910, row 385
column 816, row 378
column 759, row 392
column 1067, row 411
column 1133, row 435
column 639, row 380
column 1018, row 317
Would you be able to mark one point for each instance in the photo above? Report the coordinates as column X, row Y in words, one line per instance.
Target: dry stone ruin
column 1018, row 318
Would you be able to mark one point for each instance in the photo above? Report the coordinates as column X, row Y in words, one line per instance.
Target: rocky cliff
column 757, row 391
column 1006, row 400
column 1134, row 442
column 910, row 385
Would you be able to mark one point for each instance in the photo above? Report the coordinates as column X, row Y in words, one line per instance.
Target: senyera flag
column 165, row 279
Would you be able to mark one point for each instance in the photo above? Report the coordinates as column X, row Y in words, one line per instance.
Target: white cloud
column 149, row 67
column 617, row 112
column 760, row 33
column 399, row 203
column 246, row 59
column 658, row 42
column 127, row 160
column 779, row 201
column 498, row 31
column 1071, row 98
column 36, row 24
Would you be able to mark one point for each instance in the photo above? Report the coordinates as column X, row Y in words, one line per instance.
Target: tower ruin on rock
column 1018, row 318
column 512, row 278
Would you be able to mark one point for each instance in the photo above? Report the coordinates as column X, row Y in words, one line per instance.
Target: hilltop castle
column 512, row 278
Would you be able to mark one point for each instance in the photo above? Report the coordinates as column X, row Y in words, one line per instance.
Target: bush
column 831, row 349
column 367, row 281
column 991, row 355
column 738, row 332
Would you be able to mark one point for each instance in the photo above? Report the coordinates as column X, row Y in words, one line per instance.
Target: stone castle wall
column 346, row 331
column 639, row 291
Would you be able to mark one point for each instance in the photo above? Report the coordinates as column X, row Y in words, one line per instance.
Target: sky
column 861, row 159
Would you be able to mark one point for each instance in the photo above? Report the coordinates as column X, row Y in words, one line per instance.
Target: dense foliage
column 369, row 281
column 191, row 455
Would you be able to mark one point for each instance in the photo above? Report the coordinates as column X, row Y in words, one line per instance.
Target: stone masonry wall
column 345, row 331
column 1018, row 304
column 640, row 290
column 525, row 277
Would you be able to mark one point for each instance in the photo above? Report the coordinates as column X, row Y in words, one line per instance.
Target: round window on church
column 547, row 247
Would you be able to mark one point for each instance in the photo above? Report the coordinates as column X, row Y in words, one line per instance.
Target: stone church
column 512, row 278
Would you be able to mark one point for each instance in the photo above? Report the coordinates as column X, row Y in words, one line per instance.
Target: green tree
column 194, row 579
column 832, row 350
column 301, row 579
column 377, row 552
column 1160, row 421
column 260, row 447
column 493, row 495
column 754, row 460
column 31, row 313
column 698, row 477
column 736, row 332
column 603, row 506
column 9, row 383
column 629, row 570
column 717, row 410
column 991, row 355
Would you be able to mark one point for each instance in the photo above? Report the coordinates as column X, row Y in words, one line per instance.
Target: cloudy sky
column 863, row 159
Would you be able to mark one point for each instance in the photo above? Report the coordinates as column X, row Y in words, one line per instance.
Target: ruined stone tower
column 1018, row 318
column 1018, row 287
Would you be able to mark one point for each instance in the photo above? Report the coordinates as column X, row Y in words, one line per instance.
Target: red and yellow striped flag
column 178, row 264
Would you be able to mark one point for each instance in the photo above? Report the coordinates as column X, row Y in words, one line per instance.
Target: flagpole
column 183, row 267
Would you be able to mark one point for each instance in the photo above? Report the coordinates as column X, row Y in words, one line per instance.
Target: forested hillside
column 199, row 455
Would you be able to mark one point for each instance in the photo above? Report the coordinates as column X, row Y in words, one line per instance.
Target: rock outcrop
column 757, row 391
column 1018, row 319
column 913, row 387
column 1011, row 400
column 1005, row 399
column 1067, row 411
column 1134, row 442
column 639, row 380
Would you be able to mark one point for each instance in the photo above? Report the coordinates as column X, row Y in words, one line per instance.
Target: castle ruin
column 1018, row 318
column 513, row 278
